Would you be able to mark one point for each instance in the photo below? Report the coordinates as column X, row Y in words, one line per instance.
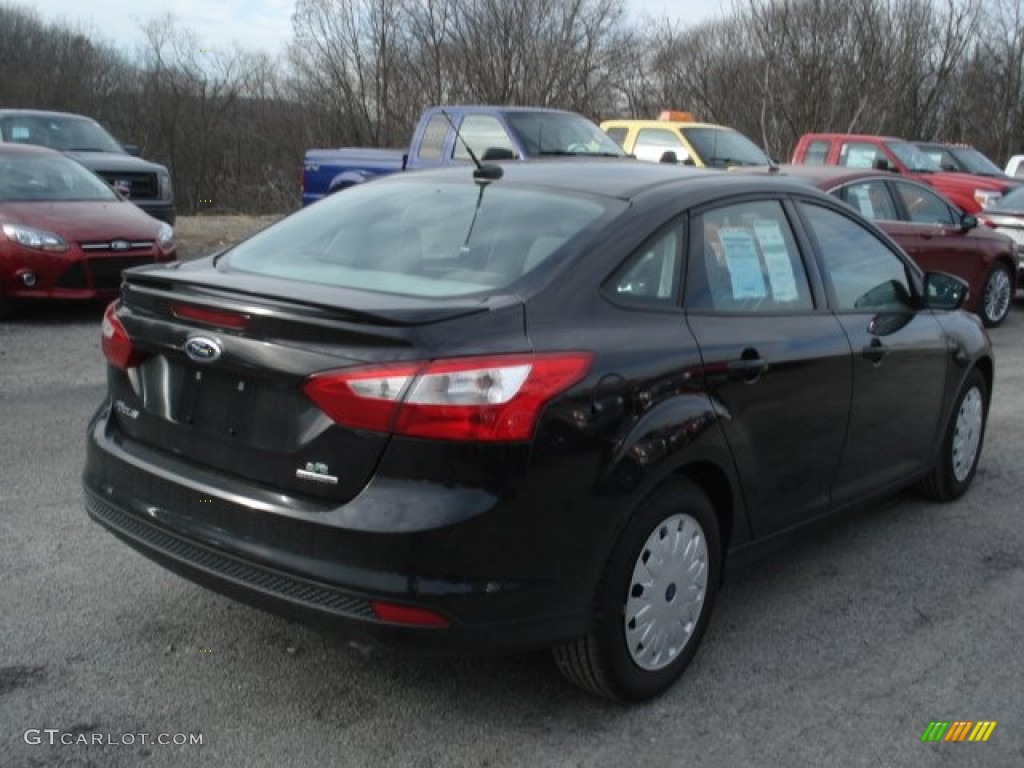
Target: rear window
column 421, row 237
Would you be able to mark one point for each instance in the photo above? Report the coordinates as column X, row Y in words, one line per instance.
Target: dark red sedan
column 933, row 232
column 64, row 233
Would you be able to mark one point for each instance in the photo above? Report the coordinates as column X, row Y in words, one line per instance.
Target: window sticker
column 776, row 259
column 862, row 196
column 744, row 266
column 19, row 133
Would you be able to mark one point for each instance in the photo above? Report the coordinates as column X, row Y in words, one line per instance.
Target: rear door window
column 748, row 261
column 869, row 198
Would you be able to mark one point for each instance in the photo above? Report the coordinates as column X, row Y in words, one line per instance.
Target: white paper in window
column 863, row 197
column 744, row 267
column 776, row 259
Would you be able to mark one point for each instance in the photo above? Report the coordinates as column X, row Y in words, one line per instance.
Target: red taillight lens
column 405, row 614
column 475, row 398
column 117, row 345
column 221, row 318
column 364, row 398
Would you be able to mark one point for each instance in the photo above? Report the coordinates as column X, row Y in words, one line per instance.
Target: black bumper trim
column 268, row 581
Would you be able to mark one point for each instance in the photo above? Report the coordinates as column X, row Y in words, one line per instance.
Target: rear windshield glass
column 49, row 177
column 422, row 237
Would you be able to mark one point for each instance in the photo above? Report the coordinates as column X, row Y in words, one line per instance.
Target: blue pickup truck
column 492, row 133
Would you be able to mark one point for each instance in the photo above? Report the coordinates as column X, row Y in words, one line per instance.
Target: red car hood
column 84, row 221
column 965, row 182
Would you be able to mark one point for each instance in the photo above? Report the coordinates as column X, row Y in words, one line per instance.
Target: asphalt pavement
column 835, row 650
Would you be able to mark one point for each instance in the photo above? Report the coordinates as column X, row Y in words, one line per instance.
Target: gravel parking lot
column 837, row 649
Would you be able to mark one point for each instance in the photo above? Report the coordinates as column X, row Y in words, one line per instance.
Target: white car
column 1015, row 167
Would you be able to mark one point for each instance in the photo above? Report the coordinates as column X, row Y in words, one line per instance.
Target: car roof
column 41, row 113
column 626, row 122
column 828, row 175
column 14, row 148
column 620, row 177
column 854, row 136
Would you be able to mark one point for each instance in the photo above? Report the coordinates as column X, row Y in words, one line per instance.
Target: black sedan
column 529, row 406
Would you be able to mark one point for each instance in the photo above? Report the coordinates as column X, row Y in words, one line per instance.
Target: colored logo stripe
column 982, row 730
column 958, row 730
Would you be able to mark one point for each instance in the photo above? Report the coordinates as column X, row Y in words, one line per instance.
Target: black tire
column 601, row 662
column 954, row 470
column 996, row 295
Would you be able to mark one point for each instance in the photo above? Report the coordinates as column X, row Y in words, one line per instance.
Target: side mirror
column 883, row 164
column 944, row 291
column 131, row 149
column 968, row 222
column 669, row 157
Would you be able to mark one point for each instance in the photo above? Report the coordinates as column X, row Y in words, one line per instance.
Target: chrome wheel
column 666, row 593
column 967, row 433
column 998, row 295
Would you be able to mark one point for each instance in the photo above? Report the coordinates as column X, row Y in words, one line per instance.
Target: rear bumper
column 499, row 588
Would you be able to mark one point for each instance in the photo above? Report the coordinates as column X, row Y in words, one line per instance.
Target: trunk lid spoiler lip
column 255, row 294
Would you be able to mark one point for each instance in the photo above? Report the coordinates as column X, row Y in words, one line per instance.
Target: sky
column 259, row 24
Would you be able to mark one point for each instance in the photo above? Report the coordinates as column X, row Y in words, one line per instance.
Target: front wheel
column 997, row 295
column 654, row 601
column 961, row 447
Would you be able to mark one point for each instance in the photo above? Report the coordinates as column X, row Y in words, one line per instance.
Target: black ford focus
column 540, row 407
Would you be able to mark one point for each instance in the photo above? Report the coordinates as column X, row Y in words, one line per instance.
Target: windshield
column 46, row 177
column 912, row 157
column 61, row 132
column 724, row 147
column 974, row 162
column 424, row 238
column 561, row 133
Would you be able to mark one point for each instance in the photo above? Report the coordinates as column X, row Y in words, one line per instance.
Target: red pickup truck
column 969, row 192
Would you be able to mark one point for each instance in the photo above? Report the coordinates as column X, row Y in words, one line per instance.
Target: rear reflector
column 495, row 398
column 218, row 317
column 117, row 345
column 405, row 614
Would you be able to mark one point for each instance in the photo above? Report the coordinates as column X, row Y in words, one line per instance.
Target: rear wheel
column 654, row 601
column 961, row 447
column 996, row 295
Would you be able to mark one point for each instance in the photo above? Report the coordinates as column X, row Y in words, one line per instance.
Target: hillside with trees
column 233, row 125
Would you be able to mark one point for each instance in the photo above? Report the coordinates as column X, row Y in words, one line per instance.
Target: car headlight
column 985, row 197
column 38, row 239
column 165, row 236
column 165, row 188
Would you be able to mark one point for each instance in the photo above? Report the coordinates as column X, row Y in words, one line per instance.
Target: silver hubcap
column 967, row 436
column 666, row 593
column 997, row 295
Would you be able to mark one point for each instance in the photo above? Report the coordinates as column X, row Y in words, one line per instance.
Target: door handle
column 875, row 351
column 748, row 368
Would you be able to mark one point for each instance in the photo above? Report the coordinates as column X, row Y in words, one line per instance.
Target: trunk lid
column 241, row 408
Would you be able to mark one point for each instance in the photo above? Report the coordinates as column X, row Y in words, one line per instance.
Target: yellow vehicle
column 678, row 137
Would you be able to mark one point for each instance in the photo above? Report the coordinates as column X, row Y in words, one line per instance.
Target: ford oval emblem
column 203, row 349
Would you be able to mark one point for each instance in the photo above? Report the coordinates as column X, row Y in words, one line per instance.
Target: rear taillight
column 117, row 345
column 474, row 398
